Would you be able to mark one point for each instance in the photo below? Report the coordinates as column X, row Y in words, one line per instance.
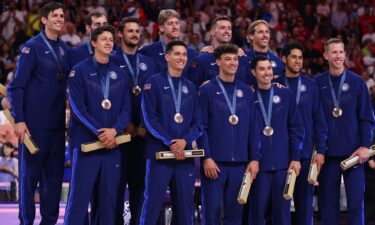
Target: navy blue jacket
column 204, row 68
column 35, row 94
column 277, row 65
column 86, row 96
column 156, row 52
column 286, row 143
column 222, row 141
column 354, row 128
column 312, row 114
column 158, row 112
column 146, row 69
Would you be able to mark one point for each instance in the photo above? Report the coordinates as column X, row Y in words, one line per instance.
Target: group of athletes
column 250, row 111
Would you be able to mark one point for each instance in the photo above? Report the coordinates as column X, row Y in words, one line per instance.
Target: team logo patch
column 273, row 63
column 72, row 73
column 146, row 86
column 345, row 87
column 113, row 75
column 143, row 66
column 185, row 90
column 193, row 64
column 276, row 99
column 303, row 88
column 239, row 93
column 25, row 50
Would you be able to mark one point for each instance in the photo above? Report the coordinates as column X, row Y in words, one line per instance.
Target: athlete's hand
column 253, row 167
column 130, row 129
column 107, row 137
column 208, row 49
column 362, row 153
column 211, row 169
column 319, row 160
column 296, row 166
column 20, row 129
column 178, row 148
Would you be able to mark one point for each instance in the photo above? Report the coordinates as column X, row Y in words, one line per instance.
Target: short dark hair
column 213, row 22
column 98, row 31
column 50, row 7
column 127, row 20
column 257, row 59
column 289, row 47
column 93, row 14
column 170, row 45
column 225, row 48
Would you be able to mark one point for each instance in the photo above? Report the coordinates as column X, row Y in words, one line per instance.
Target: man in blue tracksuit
column 172, row 118
column 230, row 139
column 204, row 67
column 138, row 68
column 37, row 96
column 100, row 104
column 258, row 35
column 306, row 94
column 350, row 120
column 169, row 27
column 85, row 50
column 281, row 144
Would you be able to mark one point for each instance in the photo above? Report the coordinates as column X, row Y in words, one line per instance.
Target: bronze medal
column 136, row 90
column 106, row 104
column 178, row 118
column 268, row 131
column 337, row 112
column 233, row 119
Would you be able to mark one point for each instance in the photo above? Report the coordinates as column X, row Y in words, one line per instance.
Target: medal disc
column 337, row 112
column 106, row 104
column 178, row 118
column 268, row 131
column 136, row 90
column 233, row 119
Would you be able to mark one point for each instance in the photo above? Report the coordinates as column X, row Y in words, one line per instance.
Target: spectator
column 339, row 18
column 9, row 19
column 33, row 21
column 8, row 173
column 309, row 18
column 95, row 7
column 367, row 18
column 370, row 33
column 323, row 10
column 7, row 58
column 71, row 37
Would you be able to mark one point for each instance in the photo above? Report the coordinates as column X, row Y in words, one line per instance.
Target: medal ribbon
column 89, row 48
column 336, row 100
column 104, row 80
column 298, row 96
column 177, row 100
column 232, row 106
column 266, row 118
column 136, row 74
column 57, row 59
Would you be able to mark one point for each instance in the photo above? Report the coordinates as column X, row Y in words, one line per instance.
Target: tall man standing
column 172, row 118
column 306, row 94
column 281, row 144
column 138, row 68
column 230, row 139
column 100, row 103
column 350, row 120
column 37, row 96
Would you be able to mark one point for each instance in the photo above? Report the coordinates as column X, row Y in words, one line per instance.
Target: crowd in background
column 309, row 22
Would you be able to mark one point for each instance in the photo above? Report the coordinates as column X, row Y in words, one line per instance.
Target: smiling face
column 130, row 35
column 294, row 61
column 177, row 58
column 261, row 36
column 104, row 43
column 335, row 55
column 55, row 21
column 96, row 22
column 228, row 64
column 222, row 31
column 263, row 72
